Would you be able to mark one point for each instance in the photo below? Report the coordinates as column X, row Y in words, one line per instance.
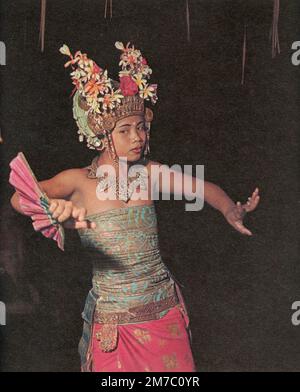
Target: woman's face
column 129, row 137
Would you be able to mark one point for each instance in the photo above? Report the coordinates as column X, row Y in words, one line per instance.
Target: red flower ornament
column 128, row 86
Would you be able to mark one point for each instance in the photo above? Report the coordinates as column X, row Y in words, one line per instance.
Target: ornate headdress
column 99, row 101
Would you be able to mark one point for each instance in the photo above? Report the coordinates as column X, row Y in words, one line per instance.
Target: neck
column 104, row 158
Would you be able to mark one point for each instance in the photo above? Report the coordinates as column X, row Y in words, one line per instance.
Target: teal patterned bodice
column 127, row 266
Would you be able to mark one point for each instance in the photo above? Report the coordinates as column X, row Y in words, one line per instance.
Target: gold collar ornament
column 119, row 186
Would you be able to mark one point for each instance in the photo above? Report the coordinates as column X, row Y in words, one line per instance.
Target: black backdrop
column 238, row 290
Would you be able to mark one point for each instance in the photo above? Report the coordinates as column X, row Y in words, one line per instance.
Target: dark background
column 238, row 290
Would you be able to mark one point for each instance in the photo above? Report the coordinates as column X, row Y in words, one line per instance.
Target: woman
column 135, row 318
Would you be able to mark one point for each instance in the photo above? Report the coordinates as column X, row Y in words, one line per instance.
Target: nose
column 135, row 135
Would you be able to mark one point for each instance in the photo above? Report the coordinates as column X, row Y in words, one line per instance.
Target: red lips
column 136, row 149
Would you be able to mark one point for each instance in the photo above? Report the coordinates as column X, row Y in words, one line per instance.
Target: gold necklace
column 120, row 187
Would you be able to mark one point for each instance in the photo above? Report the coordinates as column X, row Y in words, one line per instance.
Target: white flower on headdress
column 110, row 101
column 105, row 76
column 146, row 70
column 119, row 45
column 94, row 104
column 124, row 73
column 123, row 63
column 83, row 60
column 141, row 83
column 65, row 50
column 88, row 68
column 128, row 60
column 76, row 74
column 148, row 92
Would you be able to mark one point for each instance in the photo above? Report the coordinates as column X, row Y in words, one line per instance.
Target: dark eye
column 123, row 131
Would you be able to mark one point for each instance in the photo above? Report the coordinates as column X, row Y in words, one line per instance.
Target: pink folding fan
column 33, row 201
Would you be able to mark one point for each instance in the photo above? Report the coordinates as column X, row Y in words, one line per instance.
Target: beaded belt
column 108, row 335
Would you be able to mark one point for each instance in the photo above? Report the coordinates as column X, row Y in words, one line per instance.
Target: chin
column 137, row 158
column 133, row 157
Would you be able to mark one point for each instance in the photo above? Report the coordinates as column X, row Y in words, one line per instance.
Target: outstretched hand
column 236, row 214
column 70, row 216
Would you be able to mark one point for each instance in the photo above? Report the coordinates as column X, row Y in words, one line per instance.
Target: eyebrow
column 128, row 125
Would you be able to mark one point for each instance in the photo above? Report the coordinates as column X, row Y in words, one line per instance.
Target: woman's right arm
column 59, row 190
column 61, row 186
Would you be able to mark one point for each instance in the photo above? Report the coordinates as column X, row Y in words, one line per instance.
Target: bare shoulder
column 64, row 183
column 73, row 173
column 70, row 176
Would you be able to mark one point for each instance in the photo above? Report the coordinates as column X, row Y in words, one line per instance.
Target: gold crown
column 99, row 102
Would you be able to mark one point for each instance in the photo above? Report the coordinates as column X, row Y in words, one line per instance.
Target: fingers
column 56, row 208
column 85, row 225
column 253, row 201
column 235, row 218
column 236, row 214
column 78, row 213
column 75, row 224
column 53, row 205
column 71, row 216
column 242, row 229
column 63, row 214
column 60, row 209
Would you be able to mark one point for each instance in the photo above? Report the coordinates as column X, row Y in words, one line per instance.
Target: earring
column 147, row 147
column 105, row 143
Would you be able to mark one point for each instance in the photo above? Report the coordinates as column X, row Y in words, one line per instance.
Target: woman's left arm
column 172, row 181
column 233, row 213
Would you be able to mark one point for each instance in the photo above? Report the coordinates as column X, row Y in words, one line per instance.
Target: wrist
column 228, row 208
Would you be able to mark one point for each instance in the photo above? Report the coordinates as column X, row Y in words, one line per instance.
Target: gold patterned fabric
column 130, row 281
column 128, row 270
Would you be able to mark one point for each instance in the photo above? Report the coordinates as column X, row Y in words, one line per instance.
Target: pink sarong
column 161, row 345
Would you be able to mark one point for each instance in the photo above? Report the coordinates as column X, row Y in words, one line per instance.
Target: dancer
column 135, row 318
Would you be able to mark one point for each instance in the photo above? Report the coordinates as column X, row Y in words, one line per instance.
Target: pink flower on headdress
column 128, row 86
column 144, row 61
column 96, row 68
column 131, row 59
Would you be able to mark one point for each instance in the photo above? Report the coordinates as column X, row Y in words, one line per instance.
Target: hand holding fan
column 33, row 201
